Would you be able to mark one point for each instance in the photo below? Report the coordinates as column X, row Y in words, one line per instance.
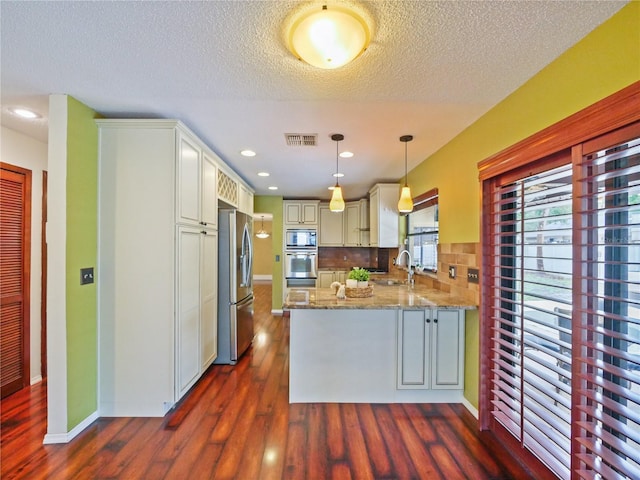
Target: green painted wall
column 604, row 62
column 82, row 244
column 273, row 205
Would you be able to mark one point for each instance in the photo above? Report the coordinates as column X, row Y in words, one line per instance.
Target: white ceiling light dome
column 329, row 37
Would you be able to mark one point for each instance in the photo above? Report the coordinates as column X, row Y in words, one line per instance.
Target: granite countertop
column 384, row 297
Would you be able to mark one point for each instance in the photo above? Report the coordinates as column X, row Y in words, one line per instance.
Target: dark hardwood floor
column 237, row 423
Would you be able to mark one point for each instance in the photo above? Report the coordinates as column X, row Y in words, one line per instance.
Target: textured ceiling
column 223, row 68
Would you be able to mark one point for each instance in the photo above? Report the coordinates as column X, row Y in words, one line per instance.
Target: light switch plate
column 452, row 271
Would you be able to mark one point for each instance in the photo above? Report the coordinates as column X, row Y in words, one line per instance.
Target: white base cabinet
column 327, row 277
column 157, row 265
column 351, row 355
column 431, row 349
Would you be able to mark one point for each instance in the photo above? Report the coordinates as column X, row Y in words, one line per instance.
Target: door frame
column 43, row 282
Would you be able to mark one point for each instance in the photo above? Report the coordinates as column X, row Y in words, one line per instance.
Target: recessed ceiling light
column 263, row 174
column 248, row 153
column 338, row 175
column 24, row 113
column 346, row 154
column 273, row 188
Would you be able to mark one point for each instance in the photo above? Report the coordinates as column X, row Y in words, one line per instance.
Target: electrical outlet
column 86, row 276
column 452, row 271
column 473, row 275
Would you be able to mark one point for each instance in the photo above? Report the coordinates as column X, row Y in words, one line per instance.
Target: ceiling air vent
column 301, row 139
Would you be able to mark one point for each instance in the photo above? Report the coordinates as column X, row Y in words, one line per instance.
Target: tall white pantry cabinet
column 157, row 268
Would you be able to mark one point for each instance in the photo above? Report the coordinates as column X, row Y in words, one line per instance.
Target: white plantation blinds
column 607, row 388
column 530, row 297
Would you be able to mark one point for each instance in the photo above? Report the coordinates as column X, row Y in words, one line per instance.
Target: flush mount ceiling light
column 262, row 232
column 405, row 204
column 337, row 202
column 329, row 37
column 247, row 153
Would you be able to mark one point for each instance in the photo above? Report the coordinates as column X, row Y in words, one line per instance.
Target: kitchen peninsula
column 400, row 345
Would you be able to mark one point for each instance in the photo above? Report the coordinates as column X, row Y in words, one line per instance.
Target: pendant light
column 405, row 204
column 337, row 202
column 262, row 233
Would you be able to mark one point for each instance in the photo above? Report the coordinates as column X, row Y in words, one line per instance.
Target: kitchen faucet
column 410, row 272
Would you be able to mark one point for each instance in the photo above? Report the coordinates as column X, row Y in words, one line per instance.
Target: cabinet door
column 188, row 182
column 447, row 354
column 208, row 298
column 325, row 279
column 374, row 205
column 188, row 309
column 341, row 277
column 309, row 213
column 364, row 223
column 246, row 200
column 352, row 224
column 331, row 232
column 413, row 349
column 209, row 200
column 292, row 213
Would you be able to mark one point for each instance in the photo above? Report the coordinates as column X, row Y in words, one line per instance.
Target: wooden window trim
column 613, row 112
column 614, row 116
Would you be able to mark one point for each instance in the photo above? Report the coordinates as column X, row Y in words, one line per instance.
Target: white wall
column 26, row 152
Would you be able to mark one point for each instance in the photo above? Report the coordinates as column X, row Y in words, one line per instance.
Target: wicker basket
column 359, row 292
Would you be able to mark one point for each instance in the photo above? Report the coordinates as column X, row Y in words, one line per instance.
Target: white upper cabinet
column 331, row 230
column 209, row 196
column 301, row 213
column 364, row 223
column 246, row 200
column 383, row 219
column 356, row 224
column 349, row 228
column 196, row 197
column 228, row 189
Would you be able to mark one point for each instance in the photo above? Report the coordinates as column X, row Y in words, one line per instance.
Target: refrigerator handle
column 246, row 260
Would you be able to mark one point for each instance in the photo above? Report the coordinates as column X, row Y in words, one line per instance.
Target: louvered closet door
column 15, row 208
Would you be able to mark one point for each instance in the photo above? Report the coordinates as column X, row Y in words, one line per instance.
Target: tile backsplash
column 345, row 258
column 462, row 256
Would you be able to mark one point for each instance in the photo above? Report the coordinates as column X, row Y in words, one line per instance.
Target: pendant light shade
column 405, row 204
column 329, row 37
column 337, row 201
column 262, row 232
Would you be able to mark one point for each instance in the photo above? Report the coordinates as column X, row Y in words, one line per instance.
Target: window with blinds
column 607, row 388
column 562, row 306
column 531, row 309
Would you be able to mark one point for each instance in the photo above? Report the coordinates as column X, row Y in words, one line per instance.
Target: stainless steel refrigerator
column 235, row 286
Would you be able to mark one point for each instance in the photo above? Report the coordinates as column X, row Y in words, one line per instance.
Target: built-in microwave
column 300, row 239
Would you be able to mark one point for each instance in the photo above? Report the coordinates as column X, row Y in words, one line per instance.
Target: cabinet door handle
column 435, row 320
column 428, row 320
column 203, row 232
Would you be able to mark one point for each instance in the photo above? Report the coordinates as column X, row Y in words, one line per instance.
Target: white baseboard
column 471, row 408
column 51, row 438
column 277, row 312
column 36, row 379
column 268, row 278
